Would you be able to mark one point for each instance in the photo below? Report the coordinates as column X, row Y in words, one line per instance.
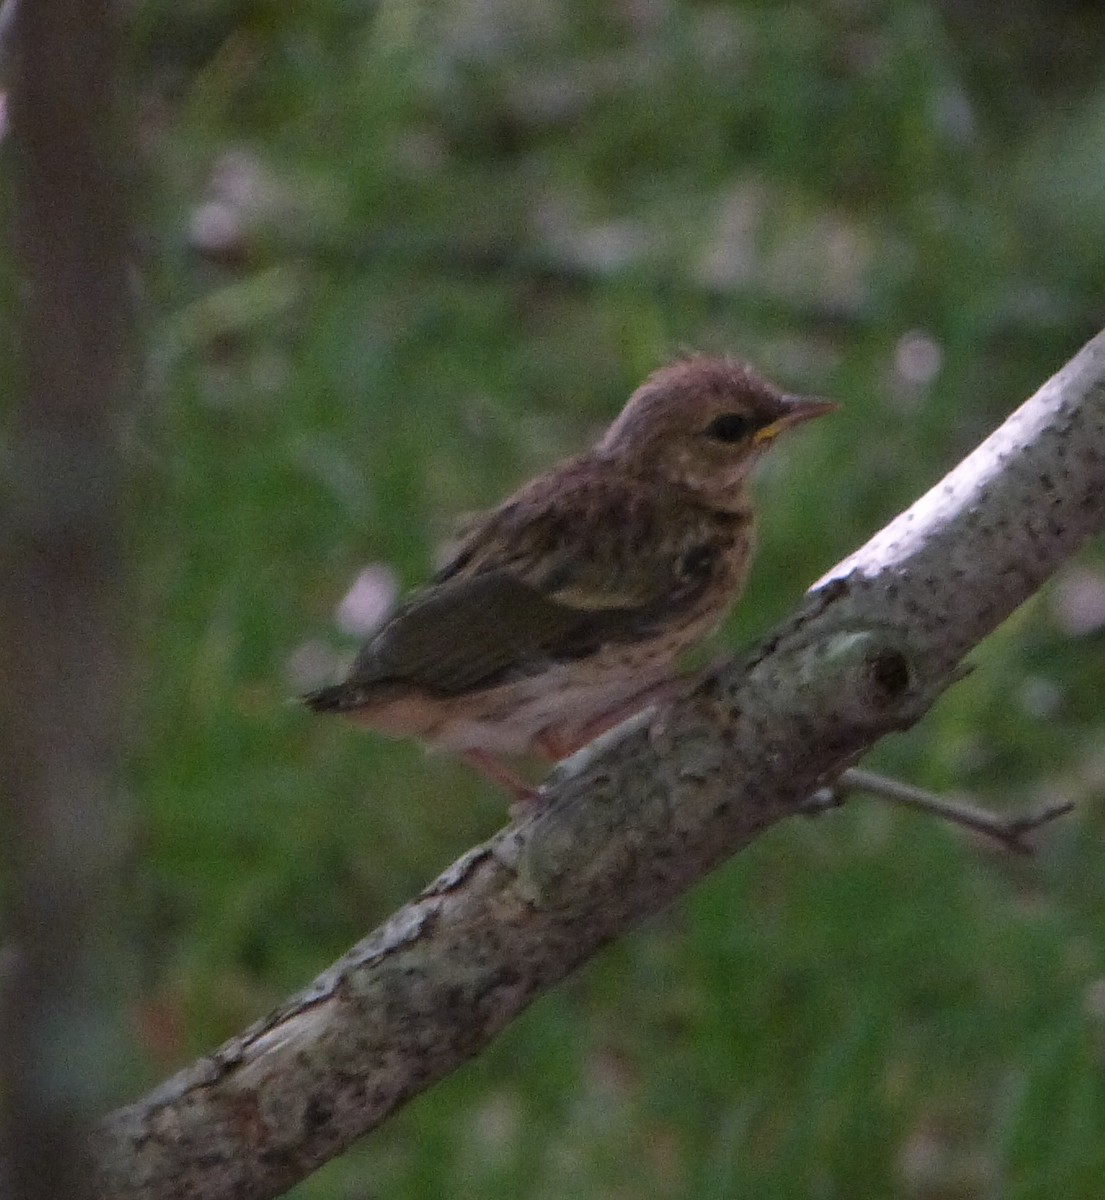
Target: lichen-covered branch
column 632, row 821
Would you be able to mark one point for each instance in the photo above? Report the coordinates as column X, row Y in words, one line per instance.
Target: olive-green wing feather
column 470, row 632
column 546, row 578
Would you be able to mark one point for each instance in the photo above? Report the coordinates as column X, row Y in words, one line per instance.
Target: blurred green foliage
column 397, row 256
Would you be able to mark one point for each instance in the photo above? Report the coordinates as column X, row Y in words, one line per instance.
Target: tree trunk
column 60, row 598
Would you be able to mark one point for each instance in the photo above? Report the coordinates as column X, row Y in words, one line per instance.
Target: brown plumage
column 567, row 607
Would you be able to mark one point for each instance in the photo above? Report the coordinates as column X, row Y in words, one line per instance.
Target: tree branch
column 632, row 821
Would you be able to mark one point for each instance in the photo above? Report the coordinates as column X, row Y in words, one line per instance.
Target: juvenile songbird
column 564, row 610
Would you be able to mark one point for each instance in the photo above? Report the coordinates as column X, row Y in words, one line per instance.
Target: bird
column 566, row 609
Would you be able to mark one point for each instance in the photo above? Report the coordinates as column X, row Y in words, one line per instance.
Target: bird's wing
column 588, row 540
column 549, row 577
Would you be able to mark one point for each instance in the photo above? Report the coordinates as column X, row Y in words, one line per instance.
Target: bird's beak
column 797, row 409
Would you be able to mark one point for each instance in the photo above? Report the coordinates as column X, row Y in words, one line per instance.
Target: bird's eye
column 730, row 427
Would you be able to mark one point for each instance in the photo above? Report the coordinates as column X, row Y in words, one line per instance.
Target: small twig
column 1010, row 831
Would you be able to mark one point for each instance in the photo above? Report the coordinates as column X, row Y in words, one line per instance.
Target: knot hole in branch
column 890, row 675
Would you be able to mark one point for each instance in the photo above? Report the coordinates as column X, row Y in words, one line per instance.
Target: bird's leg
column 558, row 742
column 523, row 798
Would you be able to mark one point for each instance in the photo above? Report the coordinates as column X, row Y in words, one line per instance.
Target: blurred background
column 394, row 257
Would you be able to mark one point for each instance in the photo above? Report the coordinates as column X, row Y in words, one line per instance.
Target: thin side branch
column 1009, row 831
column 632, row 824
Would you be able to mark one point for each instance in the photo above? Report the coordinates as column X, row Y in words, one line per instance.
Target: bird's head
column 702, row 423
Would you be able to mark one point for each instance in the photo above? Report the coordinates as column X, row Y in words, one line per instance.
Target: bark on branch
column 633, row 822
